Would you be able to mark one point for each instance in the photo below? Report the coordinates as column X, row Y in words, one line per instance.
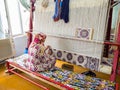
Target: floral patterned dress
column 39, row 59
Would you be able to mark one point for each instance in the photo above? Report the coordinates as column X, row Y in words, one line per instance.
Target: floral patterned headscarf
column 39, row 38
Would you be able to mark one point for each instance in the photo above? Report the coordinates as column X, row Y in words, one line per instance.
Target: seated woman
column 40, row 58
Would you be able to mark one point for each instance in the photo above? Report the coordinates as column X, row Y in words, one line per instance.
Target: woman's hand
column 48, row 47
column 47, row 50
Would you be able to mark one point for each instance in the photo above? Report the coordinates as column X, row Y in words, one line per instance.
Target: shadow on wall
column 6, row 50
column 20, row 44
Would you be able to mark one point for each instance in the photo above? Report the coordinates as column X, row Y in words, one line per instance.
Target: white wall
column 20, row 44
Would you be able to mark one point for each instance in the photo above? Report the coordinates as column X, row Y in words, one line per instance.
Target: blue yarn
column 65, row 11
column 56, row 14
column 61, row 4
column 61, row 10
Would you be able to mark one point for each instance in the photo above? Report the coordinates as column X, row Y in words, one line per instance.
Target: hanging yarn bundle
column 61, row 10
column 65, row 11
column 56, row 16
column 45, row 3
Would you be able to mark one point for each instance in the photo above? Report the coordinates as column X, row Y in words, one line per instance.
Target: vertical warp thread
column 82, row 14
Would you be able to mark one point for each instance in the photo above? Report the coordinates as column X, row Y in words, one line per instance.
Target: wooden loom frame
column 116, row 43
column 11, row 66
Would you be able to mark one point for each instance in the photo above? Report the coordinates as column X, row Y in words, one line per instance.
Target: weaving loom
column 67, row 47
column 83, row 14
column 60, row 78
